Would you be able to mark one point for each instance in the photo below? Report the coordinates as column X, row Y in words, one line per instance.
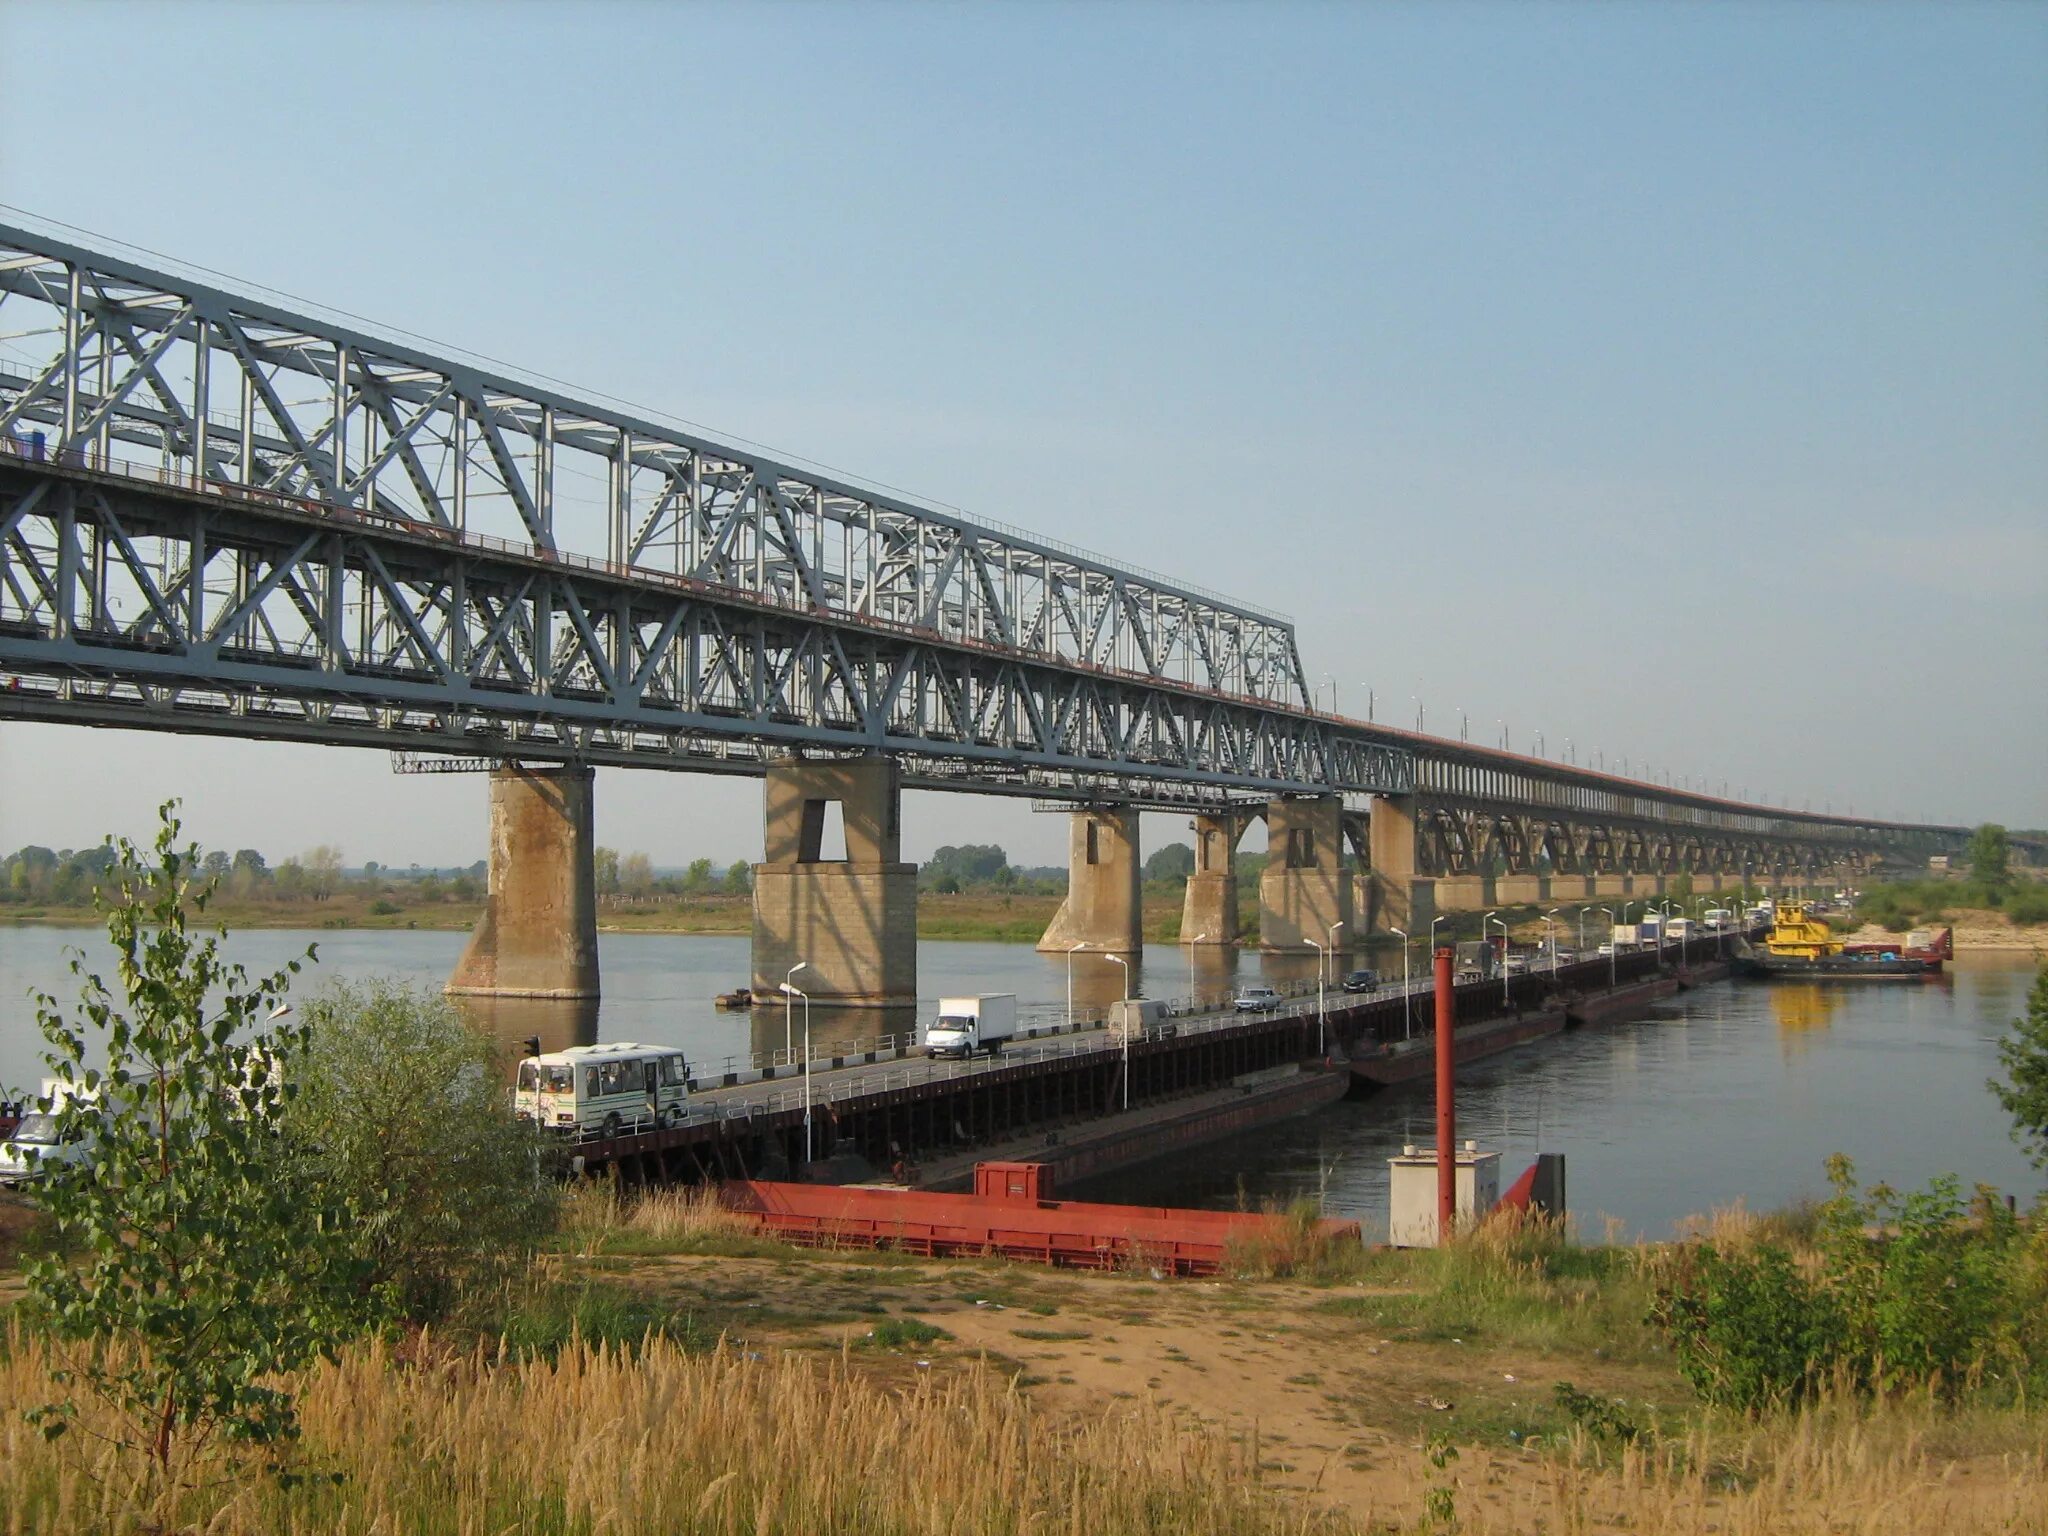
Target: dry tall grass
column 598, row 1218
column 664, row 1442
column 1906, row 1469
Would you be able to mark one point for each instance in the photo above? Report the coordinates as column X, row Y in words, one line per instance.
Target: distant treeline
column 65, row 877
column 983, row 867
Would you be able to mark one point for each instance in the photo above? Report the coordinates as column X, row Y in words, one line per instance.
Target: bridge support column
column 1102, row 909
column 1304, row 889
column 852, row 921
column 1209, row 913
column 538, row 934
column 1398, row 899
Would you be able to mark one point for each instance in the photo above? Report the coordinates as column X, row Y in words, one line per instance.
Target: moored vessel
column 1934, row 946
column 1801, row 946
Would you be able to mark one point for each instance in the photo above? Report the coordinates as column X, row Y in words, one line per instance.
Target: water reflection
column 1803, row 1006
column 556, row 1023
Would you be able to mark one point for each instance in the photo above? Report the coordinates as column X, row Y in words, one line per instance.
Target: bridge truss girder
column 112, row 360
column 124, row 601
column 1468, row 838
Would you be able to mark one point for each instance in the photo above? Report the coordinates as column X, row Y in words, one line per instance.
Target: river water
column 1732, row 1092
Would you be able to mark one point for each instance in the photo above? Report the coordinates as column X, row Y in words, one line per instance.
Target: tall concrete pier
column 852, row 921
column 1399, row 898
column 1102, row 910
column 1304, row 891
column 1209, row 911
column 538, row 934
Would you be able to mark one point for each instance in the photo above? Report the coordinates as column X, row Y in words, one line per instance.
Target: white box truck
column 969, row 1024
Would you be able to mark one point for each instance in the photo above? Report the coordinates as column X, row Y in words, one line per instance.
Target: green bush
column 1746, row 1327
column 2027, row 904
column 1920, row 1291
column 400, row 1114
column 903, row 1333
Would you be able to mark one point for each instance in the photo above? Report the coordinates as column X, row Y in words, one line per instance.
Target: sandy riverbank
column 1973, row 930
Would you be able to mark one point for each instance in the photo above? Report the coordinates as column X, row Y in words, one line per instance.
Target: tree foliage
column 963, row 868
column 204, row 1265
column 1990, row 855
column 401, row 1115
column 2024, row 1055
column 1175, row 861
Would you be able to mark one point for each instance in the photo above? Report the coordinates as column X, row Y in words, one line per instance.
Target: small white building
column 1411, row 1203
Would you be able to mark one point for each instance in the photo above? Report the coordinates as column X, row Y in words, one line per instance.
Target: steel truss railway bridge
column 219, row 514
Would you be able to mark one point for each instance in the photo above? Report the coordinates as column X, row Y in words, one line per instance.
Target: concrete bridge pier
column 538, row 934
column 1399, row 898
column 1102, row 910
column 1209, row 913
column 1304, row 889
column 851, row 919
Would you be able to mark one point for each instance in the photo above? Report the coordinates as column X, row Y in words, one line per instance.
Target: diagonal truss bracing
column 116, row 362
column 126, row 599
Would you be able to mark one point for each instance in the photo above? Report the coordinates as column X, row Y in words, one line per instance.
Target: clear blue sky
column 1669, row 378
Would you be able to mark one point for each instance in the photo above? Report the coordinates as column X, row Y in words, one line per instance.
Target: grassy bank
column 664, row 1370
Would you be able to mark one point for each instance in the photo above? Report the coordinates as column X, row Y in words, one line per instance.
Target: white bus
column 604, row 1089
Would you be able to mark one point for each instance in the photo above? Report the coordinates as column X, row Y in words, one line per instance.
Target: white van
column 604, row 1089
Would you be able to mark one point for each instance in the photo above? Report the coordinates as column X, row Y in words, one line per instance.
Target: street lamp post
column 788, row 1041
column 1120, row 960
column 1332, row 935
column 1071, row 952
column 1321, row 955
column 1582, row 931
column 1502, row 924
column 1550, row 928
column 1407, row 998
column 787, row 992
column 1613, row 922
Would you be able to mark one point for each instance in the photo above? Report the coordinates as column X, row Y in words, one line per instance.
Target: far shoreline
column 968, row 918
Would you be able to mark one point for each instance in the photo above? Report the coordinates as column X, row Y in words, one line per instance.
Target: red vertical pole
column 1446, row 1102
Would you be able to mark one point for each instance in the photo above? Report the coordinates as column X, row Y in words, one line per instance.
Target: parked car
column 38, row 1145
column 1257, row 1000
column 1362, row 981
